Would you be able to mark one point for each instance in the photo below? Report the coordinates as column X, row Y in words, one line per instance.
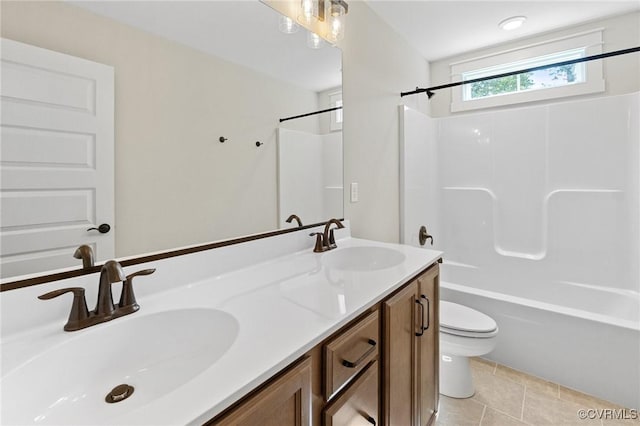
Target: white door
column 57, row 158
column 419, row 191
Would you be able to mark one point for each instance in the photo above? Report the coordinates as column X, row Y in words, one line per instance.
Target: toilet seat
column 463, row 321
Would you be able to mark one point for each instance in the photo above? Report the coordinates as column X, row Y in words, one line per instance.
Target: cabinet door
column 399, row 382
column 284, row 402
column 428, row 348
column 358, row 404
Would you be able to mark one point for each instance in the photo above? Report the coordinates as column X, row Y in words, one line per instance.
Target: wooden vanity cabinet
column 286, row 401
column 411, row 352
column 380, row 369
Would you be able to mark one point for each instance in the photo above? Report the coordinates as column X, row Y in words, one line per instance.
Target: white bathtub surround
column 280, row 297
column 537, row 209
column 309, row 175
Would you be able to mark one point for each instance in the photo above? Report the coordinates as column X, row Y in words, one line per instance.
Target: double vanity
column 263, row 332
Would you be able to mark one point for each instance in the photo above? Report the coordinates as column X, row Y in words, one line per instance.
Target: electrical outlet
column 354, row 192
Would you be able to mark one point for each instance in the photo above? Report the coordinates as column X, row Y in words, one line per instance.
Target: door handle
column 103, row 229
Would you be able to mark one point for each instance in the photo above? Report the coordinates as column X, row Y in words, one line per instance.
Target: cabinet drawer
column 350, row 352
column 358, row 405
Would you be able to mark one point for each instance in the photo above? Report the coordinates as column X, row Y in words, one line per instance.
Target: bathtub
column 568, row 333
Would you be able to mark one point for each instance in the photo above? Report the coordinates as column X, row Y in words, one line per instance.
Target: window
column 536, row 80
column 568, row 80
column 335, row 100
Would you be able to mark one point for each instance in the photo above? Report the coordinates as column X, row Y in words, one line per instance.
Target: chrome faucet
column 326, row 240
column 85, row 253
column 105, row 310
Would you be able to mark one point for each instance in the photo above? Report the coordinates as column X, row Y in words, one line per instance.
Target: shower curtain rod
column 310, row 113
column 430, row 90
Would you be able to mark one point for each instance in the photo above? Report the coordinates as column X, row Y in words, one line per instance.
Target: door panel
column 399, row 360
column 57, row 158
column 428, row 348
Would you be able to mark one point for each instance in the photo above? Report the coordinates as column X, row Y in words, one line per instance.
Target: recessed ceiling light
column 512, row 23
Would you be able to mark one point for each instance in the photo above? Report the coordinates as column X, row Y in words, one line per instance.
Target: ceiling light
column 512, row 23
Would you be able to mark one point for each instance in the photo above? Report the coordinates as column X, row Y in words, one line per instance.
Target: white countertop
column 283, row 307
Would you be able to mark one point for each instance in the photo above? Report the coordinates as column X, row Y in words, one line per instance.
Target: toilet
column 464, row 332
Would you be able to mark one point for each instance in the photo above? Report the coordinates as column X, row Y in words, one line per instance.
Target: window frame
column 337, row 116
column 591, row 41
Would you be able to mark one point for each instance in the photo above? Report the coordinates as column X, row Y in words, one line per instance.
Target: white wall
column 175, row 183
column 622, row 73
column 377, row 64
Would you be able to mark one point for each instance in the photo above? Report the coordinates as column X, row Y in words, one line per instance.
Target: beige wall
column 175, row 183
column 377, row 65
column 621, row 73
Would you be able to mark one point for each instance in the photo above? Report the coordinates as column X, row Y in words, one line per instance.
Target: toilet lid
column 462, row 318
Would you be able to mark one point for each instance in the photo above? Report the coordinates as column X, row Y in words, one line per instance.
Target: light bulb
column 335, row 21
column 306, row 11
column 314, row 41
column 287, row 25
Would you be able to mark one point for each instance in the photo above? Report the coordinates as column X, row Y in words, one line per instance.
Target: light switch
column 354, row 192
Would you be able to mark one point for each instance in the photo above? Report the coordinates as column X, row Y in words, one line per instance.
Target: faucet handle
column 127, row 297
column 79, row 312
column 319, row 247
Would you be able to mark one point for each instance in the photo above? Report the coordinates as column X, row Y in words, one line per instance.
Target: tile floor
column 506, row 397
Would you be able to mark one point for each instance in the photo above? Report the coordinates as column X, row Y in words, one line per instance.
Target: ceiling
column 243, row 32
column 439, row 29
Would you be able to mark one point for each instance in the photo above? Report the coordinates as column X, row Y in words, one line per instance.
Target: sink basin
column 363, row 258
column 156, row 353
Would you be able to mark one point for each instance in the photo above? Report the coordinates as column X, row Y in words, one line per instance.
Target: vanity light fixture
column 287, row 25
column 512, row 23
column 325, row 17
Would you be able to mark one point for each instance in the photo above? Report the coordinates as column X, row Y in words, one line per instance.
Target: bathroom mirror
column 199, row 91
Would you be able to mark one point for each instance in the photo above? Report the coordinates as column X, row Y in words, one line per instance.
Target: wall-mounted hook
column 222, row 139
column 258, row 143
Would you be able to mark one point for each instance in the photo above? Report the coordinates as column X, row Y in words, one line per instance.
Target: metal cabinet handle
column 422, row 296
column 103, row 229
column 357, row 362
column 421, row 332
column 423, row 236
